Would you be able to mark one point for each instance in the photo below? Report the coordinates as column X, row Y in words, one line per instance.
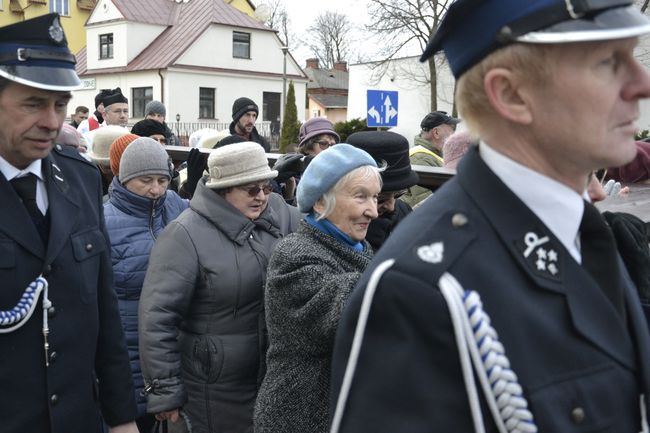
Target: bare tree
column 404, row 24
column 329, row 38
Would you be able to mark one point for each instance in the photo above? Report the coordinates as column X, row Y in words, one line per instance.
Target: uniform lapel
column 530, row 243
column 63, row 207
column 16, row 223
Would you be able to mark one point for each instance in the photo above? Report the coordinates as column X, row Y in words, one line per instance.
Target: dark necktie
column 600, row 257
column 25, row 187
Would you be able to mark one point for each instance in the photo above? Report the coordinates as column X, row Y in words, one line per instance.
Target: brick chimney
column 312, row 63
column 341, row 65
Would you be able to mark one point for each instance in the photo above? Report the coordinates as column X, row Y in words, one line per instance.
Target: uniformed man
column 63, row 355
column 552, row 88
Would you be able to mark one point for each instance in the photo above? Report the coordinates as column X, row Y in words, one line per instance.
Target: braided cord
column 503, row 393
column 20, row 314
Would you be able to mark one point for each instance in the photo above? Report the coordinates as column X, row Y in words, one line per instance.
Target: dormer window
column 241, row 45
column 106, row 46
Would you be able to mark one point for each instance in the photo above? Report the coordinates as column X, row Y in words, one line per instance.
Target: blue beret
column 472, row 29
column 326, row 169
column 35, row 53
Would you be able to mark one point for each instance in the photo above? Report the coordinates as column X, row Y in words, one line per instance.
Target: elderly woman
column 139, row 208
column 311, row 274
column 316, row 135
column 202, row 330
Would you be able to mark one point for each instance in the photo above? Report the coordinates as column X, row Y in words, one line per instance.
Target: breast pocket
column 87, row 247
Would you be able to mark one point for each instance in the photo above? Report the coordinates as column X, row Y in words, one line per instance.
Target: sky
column 302, row 14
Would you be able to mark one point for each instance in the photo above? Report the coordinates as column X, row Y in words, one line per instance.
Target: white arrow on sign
column 375, row 114
column 389, row 110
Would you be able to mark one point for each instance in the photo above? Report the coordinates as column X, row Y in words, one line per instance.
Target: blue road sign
column 382, row 108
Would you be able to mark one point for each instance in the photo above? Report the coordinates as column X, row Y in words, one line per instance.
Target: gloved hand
column 632, row 242
column 196, row 165
column 288, row 165
column 612, row 187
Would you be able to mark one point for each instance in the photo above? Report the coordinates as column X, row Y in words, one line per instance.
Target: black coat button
column 51, row 312
column 54, row 399
column 578, row 415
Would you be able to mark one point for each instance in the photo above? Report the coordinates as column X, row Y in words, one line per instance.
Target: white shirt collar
column 559, row 207
column 10, row 172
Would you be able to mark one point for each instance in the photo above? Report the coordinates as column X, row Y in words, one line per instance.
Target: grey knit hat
column 238, row 164
column 144, row 156
column 155, row 107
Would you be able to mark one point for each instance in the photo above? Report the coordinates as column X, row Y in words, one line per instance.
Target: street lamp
column 178, row 126
column 285, row 49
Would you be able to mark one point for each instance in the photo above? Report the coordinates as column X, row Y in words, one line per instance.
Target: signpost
column 382, row 108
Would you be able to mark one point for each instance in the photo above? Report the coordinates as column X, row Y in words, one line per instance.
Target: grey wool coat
column 310, row 278
column 202, row 332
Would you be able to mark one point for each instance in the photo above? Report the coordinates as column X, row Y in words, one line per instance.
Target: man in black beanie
column 96, row 119
column 150, row 128
column 244, row 115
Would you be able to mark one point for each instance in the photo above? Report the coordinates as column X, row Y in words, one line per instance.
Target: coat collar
column 545, row 260
column 131, row 203
column 230, row 220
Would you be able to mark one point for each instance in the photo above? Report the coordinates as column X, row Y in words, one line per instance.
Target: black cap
column 437, row 118
column 242, row 106
column 35, row 53
column 389, row 150
column 472, row 29
column 113, row 97
column 99, row 98
column 147, row 128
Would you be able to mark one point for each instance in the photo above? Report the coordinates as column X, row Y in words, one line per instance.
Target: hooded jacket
column 133, row 223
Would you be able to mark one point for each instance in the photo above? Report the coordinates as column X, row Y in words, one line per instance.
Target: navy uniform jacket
column 581, row 368
column 86, row 338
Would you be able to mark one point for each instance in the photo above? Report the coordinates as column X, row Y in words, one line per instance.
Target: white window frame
column 62, row 7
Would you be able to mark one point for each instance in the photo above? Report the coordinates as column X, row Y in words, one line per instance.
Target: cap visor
column 618, row 23
column 47, row 78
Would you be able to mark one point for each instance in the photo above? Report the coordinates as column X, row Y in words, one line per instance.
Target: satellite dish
column 262, row 13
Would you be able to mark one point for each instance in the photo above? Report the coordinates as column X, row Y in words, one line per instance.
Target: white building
column 196, row 56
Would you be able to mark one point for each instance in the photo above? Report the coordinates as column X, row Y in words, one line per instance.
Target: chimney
column 312, row 63
column 341, row 65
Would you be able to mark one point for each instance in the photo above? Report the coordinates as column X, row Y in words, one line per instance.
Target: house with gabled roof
column 327, row 91
column 197, row 56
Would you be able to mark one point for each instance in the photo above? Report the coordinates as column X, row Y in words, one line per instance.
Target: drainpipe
column 162, row 87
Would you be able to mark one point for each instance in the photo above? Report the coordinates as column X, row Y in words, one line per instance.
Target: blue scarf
column 328, row 228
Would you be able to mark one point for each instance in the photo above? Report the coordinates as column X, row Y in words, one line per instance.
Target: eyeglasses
column 385, row 196
column 324, row 144
column 253, row 190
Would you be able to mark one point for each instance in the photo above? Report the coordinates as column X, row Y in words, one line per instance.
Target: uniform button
column 578, row 415
column 51, row 312
column 58, row 147
column 54, row 399
column 47, row 270
column 89, row 247
column 458, row 220
column 53, row 356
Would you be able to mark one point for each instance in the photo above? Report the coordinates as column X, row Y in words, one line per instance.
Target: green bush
column 642, row 134
column 344, row 129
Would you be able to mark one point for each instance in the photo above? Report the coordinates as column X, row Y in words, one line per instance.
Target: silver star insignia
column 541, row 254
column 552, row 269
column 541, row 265
column 552, row 256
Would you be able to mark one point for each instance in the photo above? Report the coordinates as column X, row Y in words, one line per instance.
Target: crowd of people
column 330, row 292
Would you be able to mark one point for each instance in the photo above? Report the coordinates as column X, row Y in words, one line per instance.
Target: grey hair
column 328, row 200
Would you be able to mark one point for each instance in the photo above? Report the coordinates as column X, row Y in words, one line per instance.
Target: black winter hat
column 242, row 106
column 113, row 97
column 229, row 139
column 437, row 118
column 99, row 98
column 389, row 150
column 147, row 128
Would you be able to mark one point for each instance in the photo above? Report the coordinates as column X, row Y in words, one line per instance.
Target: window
column 140, row 97
column 61, row 7
column 106, row 46
column 206, row 103
column 241, row 45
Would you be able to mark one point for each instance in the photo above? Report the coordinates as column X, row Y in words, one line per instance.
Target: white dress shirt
column 10, row 172
column 559, row 207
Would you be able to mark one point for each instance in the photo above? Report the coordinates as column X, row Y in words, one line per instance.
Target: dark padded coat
column 202, row 329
